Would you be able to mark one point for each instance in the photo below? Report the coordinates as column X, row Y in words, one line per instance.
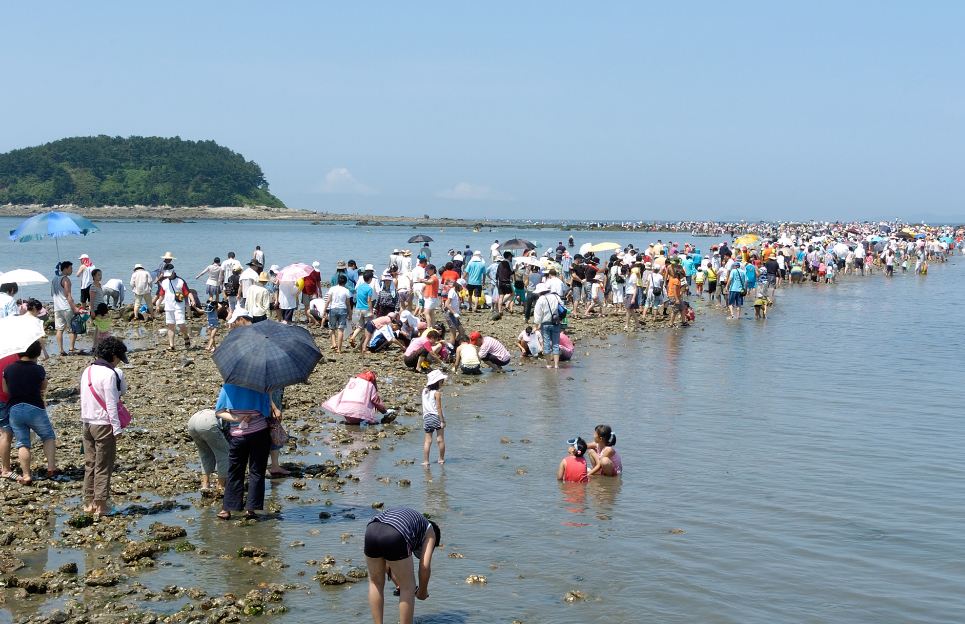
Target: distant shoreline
column 256, row 213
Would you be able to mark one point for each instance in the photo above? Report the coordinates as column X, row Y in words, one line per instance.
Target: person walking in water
column 433, row 419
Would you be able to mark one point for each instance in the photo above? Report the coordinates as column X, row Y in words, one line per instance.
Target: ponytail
column 606, row 434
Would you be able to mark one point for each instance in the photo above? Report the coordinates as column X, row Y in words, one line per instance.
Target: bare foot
column 426, row 464
column 442, row 461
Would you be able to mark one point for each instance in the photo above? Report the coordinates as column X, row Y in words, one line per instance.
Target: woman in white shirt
column 101, row 386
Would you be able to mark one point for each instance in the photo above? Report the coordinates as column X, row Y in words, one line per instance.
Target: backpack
column 558, row 314
column 231, row 286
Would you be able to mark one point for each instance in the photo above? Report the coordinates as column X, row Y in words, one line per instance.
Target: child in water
column 573, row 467
column 433, row 420
column 606, row 461
column 760, row 306
column 101, row 322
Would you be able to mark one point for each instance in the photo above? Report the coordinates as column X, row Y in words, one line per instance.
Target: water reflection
column 436, row 496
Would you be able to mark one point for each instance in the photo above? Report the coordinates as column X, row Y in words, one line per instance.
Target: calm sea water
column 813, row 461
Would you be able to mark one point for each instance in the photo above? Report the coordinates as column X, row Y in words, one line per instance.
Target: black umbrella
column 420, row 238
column 517, row 243
column 267, row 355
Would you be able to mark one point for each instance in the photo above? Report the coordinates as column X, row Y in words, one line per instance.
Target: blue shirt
column 475, row 271
column 362, row 293
column 737, row 280
column 234, row 397
column 751, row 272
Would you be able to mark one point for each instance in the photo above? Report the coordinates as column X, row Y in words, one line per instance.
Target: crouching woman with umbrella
column 254, row 360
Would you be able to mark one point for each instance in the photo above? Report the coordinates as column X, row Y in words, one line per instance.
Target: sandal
column 224, row 515
column 12, row 476
column 250, row 515
column 25, row 480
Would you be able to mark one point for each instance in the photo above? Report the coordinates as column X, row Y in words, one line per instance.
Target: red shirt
column 431, row 290
column 574, row 470
column 311, row 283
column 10, row 359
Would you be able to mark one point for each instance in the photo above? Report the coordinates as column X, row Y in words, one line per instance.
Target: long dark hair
column 606, row 434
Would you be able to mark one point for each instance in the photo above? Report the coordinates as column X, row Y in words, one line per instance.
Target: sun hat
column 237, row 269
column 368, row 267
column 138, row 266
column 274, row 268
column 395, row 251
column 541, row 288
column 477, row 253
column 263, row 277
column 436, row 376
column 316, row 264
column 167, row 256
column 84, row 257
column 461, row 282
column 167, row 274
column 340, row 264
column 406, row 252
column 238, row 313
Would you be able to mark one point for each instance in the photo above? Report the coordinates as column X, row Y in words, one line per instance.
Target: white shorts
column 431, row 303
column 174, row 315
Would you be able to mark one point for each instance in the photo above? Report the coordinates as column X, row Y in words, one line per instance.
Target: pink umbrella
column 295, row 272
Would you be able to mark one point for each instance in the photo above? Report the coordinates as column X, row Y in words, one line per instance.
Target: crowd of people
column 422, row 309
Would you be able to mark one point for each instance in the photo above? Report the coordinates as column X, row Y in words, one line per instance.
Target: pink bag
column 123, row 415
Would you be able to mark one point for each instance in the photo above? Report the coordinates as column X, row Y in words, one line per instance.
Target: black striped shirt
column 410, row 523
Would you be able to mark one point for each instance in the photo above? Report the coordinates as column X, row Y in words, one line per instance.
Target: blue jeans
column 551, row 338
column 4, row 417
column 25, row 418
column 337, row 318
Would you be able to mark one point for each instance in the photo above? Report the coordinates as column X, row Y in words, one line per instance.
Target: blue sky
column 543, row 109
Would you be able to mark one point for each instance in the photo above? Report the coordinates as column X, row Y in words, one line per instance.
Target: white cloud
column 340, row 181
column 475, row 192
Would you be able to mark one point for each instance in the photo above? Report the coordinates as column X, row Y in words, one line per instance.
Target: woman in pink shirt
column 359, row 400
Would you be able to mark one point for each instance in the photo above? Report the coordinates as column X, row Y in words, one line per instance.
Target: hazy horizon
column 747, row 110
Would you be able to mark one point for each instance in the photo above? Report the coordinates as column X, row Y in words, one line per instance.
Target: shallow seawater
column 806, row 468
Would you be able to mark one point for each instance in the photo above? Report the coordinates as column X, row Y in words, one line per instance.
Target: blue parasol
column 55, row 225
column 267, row 356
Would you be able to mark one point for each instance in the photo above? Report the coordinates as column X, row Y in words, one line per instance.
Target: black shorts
column 382, row 541
column 504, row 288
column 471, row 370
column 412, row 360
column 288, row 314
column 495, row 360
column 475, row 290
column 711, row 286
column 85, row 294
column 370, row 327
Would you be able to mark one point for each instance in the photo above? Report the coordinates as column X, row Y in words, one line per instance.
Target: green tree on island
column 152, row 171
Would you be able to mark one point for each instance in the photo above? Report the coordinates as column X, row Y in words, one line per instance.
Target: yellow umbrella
column 605, row 247
column 746, row 239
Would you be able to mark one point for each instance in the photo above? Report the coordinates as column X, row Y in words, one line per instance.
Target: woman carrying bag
column 104, row 417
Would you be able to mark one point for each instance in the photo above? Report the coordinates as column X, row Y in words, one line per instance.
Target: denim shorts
column 25, row 418
column 4, row 417
column 337, row 318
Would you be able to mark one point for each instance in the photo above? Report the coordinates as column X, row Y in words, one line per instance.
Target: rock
column 378, row 505
column 32, row 585
column 68, row 568
column 676, row 531
column 101, row 577
column 404, row 483
column 574, row 596
column 455, row 555
column 58, row 617
column 136, row 550
column 476, row 579
column 331, row 577
column 358, row 573
column 324, row 515
column 252, row 551
column 166, row 532
column 79, row 521
column 9, row 563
